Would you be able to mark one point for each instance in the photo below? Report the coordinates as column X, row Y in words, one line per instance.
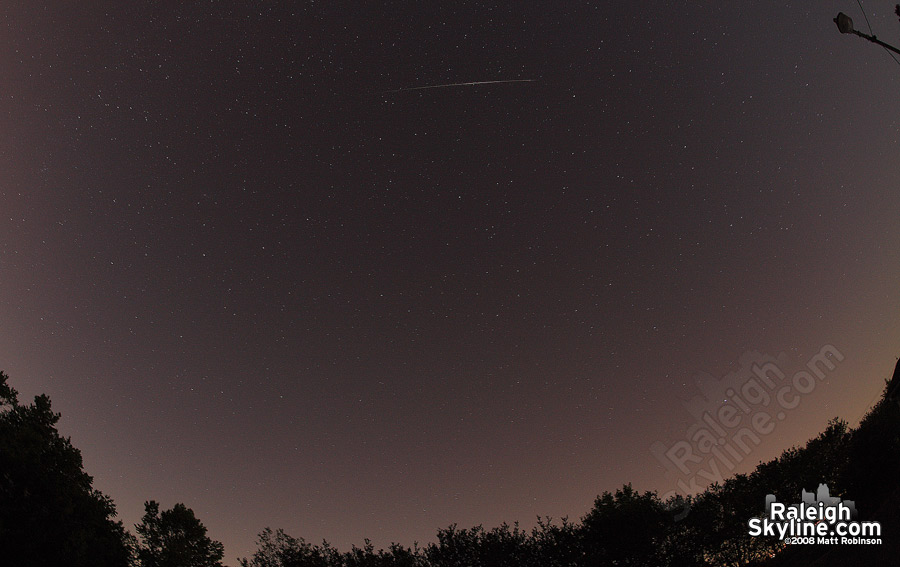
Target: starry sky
column 255, row 280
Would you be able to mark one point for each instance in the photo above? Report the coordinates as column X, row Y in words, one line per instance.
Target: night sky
column 255, row 280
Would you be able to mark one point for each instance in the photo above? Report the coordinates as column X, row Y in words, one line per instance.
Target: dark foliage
column 49, row 513
column 625, row 528
column 175, row 538
column 277, row 549
column 632, row 528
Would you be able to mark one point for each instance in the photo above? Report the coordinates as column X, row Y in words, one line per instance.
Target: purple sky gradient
column 254, row 282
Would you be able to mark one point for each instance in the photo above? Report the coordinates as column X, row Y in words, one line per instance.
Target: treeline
column 50, row 515
column 632, row 528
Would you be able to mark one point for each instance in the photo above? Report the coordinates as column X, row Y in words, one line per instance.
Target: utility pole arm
column 845, row 25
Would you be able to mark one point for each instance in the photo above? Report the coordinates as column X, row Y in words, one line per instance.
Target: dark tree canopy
column 625, row 528
column 51, row 516
column 175, row 538
column 49, row 512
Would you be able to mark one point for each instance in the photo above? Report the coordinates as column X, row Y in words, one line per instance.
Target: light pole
column 845, row 24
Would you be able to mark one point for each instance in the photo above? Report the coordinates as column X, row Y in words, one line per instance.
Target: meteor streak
column 458, row 85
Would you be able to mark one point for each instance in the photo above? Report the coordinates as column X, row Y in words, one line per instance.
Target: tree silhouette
column 874, row 455
column 49, row 512
column 175, row 538
column 629, row 528
column 499, row 547
column 625, row 528
column 278, row 549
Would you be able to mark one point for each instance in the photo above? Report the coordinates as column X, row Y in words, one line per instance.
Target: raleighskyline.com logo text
column 818, row 519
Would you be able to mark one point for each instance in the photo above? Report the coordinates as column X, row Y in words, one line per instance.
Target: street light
column 845, row 25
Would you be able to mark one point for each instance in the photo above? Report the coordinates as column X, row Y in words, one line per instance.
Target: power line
column 872, row 33
column 865, row 16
